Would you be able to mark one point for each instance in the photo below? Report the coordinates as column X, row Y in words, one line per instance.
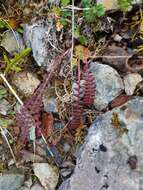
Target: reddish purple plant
column 88, row 98
column 30, row 113
column 89, row 90
column 76, row 105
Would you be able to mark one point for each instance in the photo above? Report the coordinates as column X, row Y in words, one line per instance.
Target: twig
column 11, row 89
column 47, row 145
column 72, row 47
column 113, row 57
column 72, row 7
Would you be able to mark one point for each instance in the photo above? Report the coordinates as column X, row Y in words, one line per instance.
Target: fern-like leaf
column 89, row 90
column 29, row 115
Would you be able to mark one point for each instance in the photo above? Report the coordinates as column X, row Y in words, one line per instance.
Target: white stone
column 25, row 82
column 47, row 175
column 12, row 42
column 42, row 38
column 130, row 82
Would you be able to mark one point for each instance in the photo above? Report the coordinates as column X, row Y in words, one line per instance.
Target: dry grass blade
column 11, row 89
column 11, row 151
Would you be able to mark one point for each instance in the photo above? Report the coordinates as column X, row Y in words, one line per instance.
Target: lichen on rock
column 112, row 154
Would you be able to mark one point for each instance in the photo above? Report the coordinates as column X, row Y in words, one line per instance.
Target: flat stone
column 35, row 186
column 112, row 155
column 41, row 38
column 130, row 81
column 46, row 175
column 12, row 42
column 108, row 84
column 49, row 103
column 11, row 181
column 25, row 82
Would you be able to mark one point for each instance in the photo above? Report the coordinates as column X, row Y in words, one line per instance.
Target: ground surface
column 64, row 65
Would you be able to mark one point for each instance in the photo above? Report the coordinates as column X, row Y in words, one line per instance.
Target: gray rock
column 11, row 181
column 41, row 38
column 25, row 82
column 12, row 42
column 65, row 185
column 28, row 186
column 37, row 186
column 50, row 104
column 108, row 84
column 4, row 106
column 112, row 156
column 47, row 175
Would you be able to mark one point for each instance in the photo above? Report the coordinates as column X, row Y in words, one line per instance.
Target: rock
column 116, row 62
column 28, row 186
column 112, row 155
column 57, row 155
column 117, row 38
column 130, row 81
column 12, row 42
column 37, row 186
column 4, row 106
column 113, row 4
column 46, row 174
column 25, row 82
column 41, row 38
column 65, row 185
column 11, row 181
column 108, row 84
column 49, row 103
column 67, row 168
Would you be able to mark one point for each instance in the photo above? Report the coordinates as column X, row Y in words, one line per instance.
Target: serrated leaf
column 65, row 2
column 12, row 63
column 3, row 24
column 57, row 11
column 99, row 10
column 4, row 122
column 74, row 62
